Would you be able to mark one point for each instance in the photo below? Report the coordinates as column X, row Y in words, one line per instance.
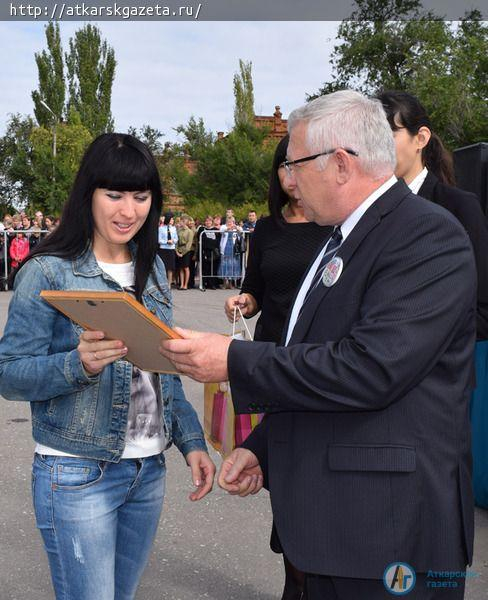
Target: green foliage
column 52, row 84
column 91, row 70
column 445, row 65
column 150, row 136
column 196, row 138
column 16, row 177
column 90, row 66
column 52, row 181
column 28, row 174
column 244, row 94
column 232, row 171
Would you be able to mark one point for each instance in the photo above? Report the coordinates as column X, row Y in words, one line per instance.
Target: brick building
column 277, row 125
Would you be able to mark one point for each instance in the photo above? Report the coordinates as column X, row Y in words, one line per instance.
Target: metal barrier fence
column 214, row 266
column 4, row 253
column 211, row 264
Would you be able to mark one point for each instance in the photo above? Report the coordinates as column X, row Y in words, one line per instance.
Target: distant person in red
column 19, row 249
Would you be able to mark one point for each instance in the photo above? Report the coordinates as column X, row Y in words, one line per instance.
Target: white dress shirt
column 417, row 182
column 346, row 228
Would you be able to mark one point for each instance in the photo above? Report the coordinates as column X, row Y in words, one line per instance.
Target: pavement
column 216, row 549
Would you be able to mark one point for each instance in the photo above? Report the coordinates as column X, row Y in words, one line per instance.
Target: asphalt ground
column 215, row 549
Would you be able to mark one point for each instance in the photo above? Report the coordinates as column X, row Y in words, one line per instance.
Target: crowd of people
column 223, row 246
column 218, row 246
column 19, row 234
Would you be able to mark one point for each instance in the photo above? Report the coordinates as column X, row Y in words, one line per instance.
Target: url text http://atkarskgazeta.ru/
column 61, row 10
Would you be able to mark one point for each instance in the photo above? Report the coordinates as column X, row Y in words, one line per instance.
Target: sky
column 168, row 71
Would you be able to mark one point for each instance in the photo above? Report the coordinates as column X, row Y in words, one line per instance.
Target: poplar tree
column 244, row 94
column 91, row 70
column 52, row 84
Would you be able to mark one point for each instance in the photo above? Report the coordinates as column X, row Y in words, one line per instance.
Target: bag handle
column 238, row 308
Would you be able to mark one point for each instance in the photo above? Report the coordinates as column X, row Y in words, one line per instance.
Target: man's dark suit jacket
column 467, row 208
column 366, row 444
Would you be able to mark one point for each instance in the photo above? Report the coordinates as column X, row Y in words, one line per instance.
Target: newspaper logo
column 399, row 578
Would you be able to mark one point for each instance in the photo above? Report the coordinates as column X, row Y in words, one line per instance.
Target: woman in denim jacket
column 100, row 425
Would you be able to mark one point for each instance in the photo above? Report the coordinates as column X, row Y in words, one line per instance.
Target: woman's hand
column 202, row 473
column 246, row 302
column 96, row 353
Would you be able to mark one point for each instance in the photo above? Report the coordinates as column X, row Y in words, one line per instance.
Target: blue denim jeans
column 98, row 521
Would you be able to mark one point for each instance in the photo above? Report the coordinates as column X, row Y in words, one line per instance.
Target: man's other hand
column 240, row 473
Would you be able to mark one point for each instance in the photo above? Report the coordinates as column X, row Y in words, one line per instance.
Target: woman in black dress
column 280, row 251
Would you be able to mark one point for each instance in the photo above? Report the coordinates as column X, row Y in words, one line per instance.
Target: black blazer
column 467, row 208
column 366, row 443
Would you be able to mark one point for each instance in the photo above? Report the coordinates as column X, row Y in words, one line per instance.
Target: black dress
column 467, row 208
column 279, row 255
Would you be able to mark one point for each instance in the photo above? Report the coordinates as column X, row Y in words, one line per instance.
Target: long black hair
column 118, row 162
column 277, row 198
column 167, row 218
column 405, row 110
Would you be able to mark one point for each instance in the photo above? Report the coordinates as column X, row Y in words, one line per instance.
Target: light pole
column 55, row 122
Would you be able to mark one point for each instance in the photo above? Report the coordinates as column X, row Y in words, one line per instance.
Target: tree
column 91, row 70
column 52, row 182
column 16, row 175
column 233, row 170
column 150, row 136
column 444, row 64
column 52, row 84
column 28, row 174
column 196, row 138
column 244, row 94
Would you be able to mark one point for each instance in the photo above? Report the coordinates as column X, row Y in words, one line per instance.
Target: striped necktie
column 333, row 245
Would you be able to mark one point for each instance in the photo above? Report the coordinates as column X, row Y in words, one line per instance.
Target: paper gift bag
column 244, row 424
column 223, row 428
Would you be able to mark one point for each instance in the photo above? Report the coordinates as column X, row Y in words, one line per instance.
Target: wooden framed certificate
column 121, row 317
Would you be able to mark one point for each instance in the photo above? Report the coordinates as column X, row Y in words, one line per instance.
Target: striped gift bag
column 223, row 428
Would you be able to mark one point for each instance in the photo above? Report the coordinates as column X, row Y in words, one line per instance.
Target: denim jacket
column 39, row 363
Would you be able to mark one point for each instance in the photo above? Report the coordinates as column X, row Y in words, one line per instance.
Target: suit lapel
column 305, row 273
column 371, row 218
column 427, row 188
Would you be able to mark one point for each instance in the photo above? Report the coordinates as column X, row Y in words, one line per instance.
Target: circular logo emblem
column 332, row 271
column 399, row 578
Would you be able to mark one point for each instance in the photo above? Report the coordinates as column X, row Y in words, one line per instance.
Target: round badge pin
column 332, row 271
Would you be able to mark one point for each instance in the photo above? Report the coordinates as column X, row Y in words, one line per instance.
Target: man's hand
column 240, row 473
column 246, row 302
column 201, row 356
column 202, row 473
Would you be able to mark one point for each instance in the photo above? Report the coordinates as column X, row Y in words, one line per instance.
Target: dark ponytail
column 404, row 110
column 438, row 160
